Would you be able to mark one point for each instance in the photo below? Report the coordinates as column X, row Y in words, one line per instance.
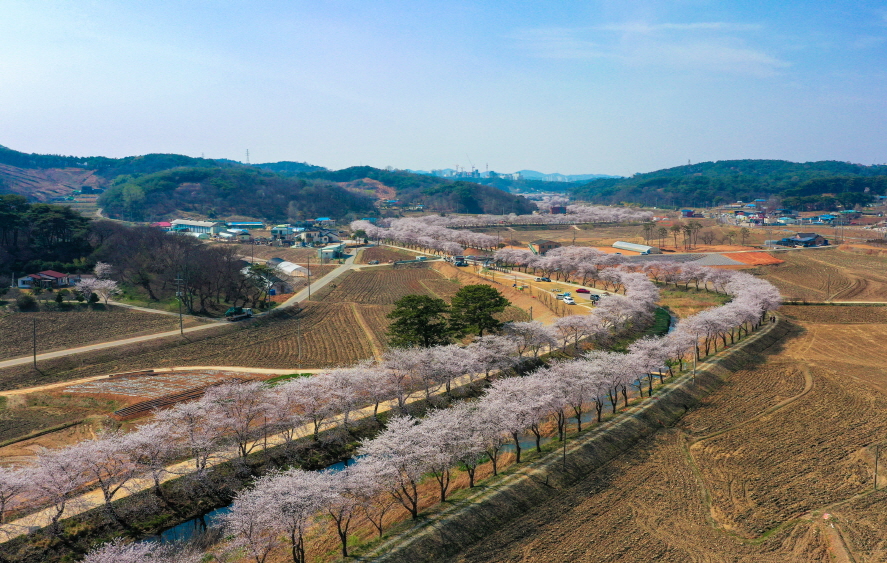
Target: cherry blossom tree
column 372, row 479
column 106, row 460
column 57, row 477
column 151, row 448
column 13, row 482
column 530, row 337
column 241, row 410
column 102, row 270
column 404, row 450
column 121, row 551
column 253, row 523
column 493, row 352
column 196, row 426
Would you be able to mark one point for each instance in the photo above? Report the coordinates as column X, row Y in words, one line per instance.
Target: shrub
column 25, row 302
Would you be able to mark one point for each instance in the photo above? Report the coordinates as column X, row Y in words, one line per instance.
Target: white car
column 569, row 301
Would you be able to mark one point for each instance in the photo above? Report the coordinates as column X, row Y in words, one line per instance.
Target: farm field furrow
column 746, row 475
column 381, row 286
column 832, row 274
column 58, row 330
column 384, row 255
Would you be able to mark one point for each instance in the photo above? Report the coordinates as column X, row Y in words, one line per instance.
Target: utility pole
column 179, row 294
column 35, row 343
column 309, row 277
column 531, row 312
column 877, row 451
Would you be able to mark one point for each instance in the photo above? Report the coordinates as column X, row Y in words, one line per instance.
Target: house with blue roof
column 804, row 239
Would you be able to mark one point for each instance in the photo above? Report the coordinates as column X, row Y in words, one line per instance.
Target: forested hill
column 436, row 194
column 220, row 193
column 104, row 166
column 812, row 185
column 157, row 186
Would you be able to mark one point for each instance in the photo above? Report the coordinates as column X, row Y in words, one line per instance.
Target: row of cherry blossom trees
column 433, row 232
column 465, row 435
column 575, row 214
column 394, row 463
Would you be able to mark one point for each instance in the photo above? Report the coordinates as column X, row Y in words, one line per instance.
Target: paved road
column 102, row 345
column 321, row 283
column 262, row 371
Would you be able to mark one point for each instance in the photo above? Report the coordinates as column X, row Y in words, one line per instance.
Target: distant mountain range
column 155, row 187
column 522, row 174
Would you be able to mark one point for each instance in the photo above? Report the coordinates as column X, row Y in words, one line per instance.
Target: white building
column 639, row 248
column 188, row 226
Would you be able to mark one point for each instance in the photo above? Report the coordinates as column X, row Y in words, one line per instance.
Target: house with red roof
column 46, row 279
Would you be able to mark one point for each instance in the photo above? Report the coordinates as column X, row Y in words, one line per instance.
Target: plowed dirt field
column 59, row 330
column 831, row 274
column 745, row 477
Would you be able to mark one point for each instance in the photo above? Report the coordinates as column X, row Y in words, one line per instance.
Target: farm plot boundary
column 495, row 505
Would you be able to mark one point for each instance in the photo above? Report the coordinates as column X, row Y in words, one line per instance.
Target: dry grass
column 685, row 302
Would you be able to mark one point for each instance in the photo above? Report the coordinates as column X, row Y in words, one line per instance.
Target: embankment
column 494, row 505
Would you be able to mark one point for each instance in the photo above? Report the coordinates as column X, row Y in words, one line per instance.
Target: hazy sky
column 557, row 86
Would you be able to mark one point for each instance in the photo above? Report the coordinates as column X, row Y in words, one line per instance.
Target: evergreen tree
column 419, row 320
column 473, row 308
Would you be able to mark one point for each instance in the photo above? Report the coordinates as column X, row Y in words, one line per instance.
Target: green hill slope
column 800, row 185
column 226, row 192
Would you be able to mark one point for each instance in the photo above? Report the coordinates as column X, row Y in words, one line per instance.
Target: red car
column 582, row 290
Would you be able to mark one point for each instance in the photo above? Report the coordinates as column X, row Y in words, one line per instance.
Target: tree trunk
column 516, row 446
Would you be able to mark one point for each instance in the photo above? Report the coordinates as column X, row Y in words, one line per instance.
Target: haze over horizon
column 572, row 87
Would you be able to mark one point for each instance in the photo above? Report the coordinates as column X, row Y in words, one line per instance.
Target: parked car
column 594, row 297
column 543, row 280
column 582, row 290
column 569, row 300
column 559, row 296
column 461, row 263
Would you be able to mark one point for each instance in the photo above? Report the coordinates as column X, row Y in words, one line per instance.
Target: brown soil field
column 826, row 314
column 23, row 415
column 384, row 254
column 58, row 330
column 378, row 286
column 829, row 274
column 755, row 258
column 744, row 477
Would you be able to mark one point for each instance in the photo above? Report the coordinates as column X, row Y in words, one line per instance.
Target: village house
column 47, row 279
column 312, row 236
column 805, row 240
column 542, row 246
column 200, row 227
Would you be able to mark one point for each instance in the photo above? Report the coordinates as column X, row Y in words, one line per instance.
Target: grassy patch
column 281, row 378
column 685, row 302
